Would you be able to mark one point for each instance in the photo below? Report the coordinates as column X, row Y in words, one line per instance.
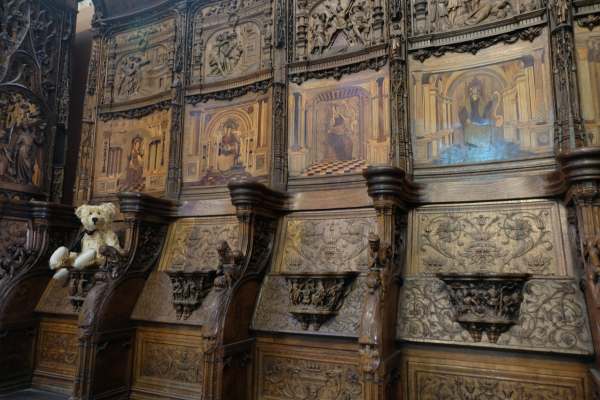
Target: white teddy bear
column 96, row 221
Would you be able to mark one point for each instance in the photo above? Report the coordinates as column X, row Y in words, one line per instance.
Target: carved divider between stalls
column 105, row 331
column 29, row 232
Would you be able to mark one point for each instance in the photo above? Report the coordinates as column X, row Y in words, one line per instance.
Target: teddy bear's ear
column 79, row 210
column 109, row 208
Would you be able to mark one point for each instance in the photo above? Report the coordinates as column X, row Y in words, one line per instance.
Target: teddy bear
column 97, row 232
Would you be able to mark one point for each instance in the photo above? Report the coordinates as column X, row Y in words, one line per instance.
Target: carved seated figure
column 97, row 225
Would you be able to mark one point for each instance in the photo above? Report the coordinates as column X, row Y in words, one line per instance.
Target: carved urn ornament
column 314, row 298
column 486, row 303
column 189, row 289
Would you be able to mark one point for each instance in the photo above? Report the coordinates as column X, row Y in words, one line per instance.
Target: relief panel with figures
column 192, row 243
column 500, row 238
column 142, row 63
column 325, row 243
column 493, row 106
column 132, row 154
column 22, row 139
column 227, row 47
column 339, row 126
column 227, row 139
column 444, row 15
column 331, row 27
column 587, row 44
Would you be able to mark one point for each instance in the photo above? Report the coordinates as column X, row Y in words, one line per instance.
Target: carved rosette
column 487, row 304
column 189, row 289
column 315, row 298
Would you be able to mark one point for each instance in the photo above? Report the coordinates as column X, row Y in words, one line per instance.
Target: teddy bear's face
column 95, row 218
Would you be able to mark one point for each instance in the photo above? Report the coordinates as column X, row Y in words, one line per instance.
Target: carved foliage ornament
column 515, row 241
column 318, row 297
column 486, row 303
column 13, row 247
column 292, row 378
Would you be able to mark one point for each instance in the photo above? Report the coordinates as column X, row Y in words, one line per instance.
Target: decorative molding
column 473, row 46
column 229, row 94
column 486, row 303
column 315, row 298
column 338, row 72
column 135, row 113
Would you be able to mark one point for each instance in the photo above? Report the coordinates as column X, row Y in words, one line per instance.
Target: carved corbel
column 231, row 302
column 392, row 194
column 580, row 172
column 105, row 312
column 29, row 231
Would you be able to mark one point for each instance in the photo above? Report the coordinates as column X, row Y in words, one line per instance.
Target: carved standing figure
column 134, row 173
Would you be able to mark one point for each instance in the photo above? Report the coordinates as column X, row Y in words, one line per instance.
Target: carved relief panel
column 192, row 243
column 232, row 40
column 332, row 27
column 57, row 350
column 140, row 62
column 227, row 139
column 14, row 236
column 322, row 242
column 440, row 16
column 525, row 237
column 493, row 106
column 339, row 126
column 34, row 92
column 132, row 154
column 167, row 362
column 587, row 42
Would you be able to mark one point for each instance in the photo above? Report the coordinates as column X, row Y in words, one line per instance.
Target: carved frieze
column 330, row 27
column 192, row 243
column 500, row 238
column 297, row 378
column 431, row 385
column 272, row 312
column 438, row 16
column 140, row 62
column 427, row 315
column 231, row 40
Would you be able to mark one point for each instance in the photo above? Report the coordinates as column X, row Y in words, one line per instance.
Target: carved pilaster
column 581, row 171
column 568, row 128
column 105, row 330
column 393, row 194
column 236, row 287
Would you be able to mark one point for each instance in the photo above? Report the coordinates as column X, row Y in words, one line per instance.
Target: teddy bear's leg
column 61, row 275
column 85, row 259
column 59, row 257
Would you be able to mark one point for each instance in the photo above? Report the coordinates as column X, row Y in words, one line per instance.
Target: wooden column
column 393, row 194
column 581, row 172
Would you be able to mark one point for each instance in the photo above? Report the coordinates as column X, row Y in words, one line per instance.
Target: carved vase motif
column 189, row 289
column 315, row 298
column 486, row 303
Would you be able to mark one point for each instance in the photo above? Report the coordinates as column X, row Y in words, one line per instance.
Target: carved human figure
column 592, row 257
column 477, row 116
column 134, row 172
column 226, row 53
column 130, row 74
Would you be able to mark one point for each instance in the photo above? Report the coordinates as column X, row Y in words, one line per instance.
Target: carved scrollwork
column 486, row 303
column 317, row 297
column 474, row 46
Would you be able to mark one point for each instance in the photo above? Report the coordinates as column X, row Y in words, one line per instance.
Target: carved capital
column 389, row 186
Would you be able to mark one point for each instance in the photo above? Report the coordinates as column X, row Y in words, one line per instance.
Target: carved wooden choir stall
column 301, row 199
